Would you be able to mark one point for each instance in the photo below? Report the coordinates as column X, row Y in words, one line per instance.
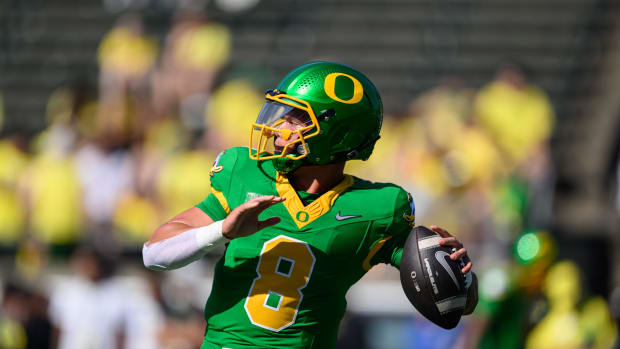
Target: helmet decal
column 330, row 88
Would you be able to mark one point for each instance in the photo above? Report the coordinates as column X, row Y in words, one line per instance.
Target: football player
column 299, row 232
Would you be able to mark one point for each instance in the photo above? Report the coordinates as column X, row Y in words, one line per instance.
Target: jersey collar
column 304, row 215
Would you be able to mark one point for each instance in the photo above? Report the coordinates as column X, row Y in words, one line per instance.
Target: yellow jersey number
column 284, row 269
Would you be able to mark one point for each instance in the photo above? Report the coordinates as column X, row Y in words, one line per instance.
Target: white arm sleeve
column 180, row 250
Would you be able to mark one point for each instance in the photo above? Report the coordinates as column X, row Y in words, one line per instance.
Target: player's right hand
column 243, row 220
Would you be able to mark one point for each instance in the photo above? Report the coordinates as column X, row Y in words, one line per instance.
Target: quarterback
column 299, row 232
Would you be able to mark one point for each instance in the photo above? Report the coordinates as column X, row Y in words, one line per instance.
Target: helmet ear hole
column 337, row 136
column 325, row 115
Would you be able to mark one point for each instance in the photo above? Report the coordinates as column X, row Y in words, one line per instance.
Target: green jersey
column 285, row 286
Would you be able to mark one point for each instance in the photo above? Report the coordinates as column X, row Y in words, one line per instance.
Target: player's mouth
column 278, row 149
column 280, row 145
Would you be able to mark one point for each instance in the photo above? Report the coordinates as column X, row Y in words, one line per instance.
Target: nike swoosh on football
column 440, row 256
column 342, row 218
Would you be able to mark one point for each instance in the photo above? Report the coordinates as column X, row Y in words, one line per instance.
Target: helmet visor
column 273, row 113
column 279, row 131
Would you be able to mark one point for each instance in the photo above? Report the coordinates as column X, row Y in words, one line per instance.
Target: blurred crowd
column 116, row 159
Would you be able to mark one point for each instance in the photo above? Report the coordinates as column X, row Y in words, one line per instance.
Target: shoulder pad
column 224, row 167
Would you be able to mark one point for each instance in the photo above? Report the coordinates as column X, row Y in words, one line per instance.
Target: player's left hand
column 448, row 240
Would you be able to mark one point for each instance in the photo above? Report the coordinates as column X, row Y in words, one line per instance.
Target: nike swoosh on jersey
column 440, row 256
column 342, row 218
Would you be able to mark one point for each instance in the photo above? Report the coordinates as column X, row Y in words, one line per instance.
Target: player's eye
column 298, row 118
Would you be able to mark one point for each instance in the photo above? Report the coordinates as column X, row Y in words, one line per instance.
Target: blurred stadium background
column 502, row 117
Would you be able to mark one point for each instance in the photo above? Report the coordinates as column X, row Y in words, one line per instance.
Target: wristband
column 210, row 236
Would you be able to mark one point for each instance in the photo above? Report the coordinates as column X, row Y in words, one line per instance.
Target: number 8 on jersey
column 283, row 269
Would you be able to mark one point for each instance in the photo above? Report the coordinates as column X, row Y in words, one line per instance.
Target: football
column 432, row 281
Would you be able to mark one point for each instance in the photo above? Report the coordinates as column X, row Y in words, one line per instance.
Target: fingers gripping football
column 243, row 220
column 430, row 276
column 459, row 252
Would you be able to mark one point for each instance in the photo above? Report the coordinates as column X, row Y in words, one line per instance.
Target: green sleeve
column 212, row 207
column 396, row 231
column 215, row 205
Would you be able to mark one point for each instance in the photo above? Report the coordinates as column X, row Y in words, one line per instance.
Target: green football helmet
column 326, row 112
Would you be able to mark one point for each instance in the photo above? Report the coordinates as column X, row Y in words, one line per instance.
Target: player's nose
column 282, row 141
column 286, row 129
column 285, row 133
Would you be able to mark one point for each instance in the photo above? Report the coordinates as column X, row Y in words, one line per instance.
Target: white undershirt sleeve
column 182, row 249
